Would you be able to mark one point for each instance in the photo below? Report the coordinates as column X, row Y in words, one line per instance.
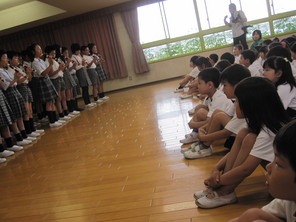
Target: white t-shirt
column 194, row 72
column 219, row 101
column 39, row 66
column 237, row 27
column 288, row 97
column 256, row 68
column 55, row 67
column 293, row 67
column 13, row 69
column 88, row 60
column 78, row 59
column 263, row 147
column 236, row 124
column 284, row 209
column 236, row 59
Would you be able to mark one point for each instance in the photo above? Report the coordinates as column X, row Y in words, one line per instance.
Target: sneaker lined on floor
column 39, row 131
column 202, row 193
column 6, row 153
column 65, row 118
column 15, row 148
column 179, row 90
column 33, row 134
column 61, row 121
column 190, row 138
column 23, row 142
column 55, row 124
column 105, row 98
column 197, row 153
column 185, row 96
column 89, row 105
column 31, row 138
column 2, row 160
column 216, row 201
column 99, row 101
column 75, row 112
column 192, row 146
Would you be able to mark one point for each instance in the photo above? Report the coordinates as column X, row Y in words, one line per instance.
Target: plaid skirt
column 93, row 75
column 101, row 72
column 76, row 89
column 6, row 115
column 15, row 101
column 26, row 93
column 83, row 77
column 68, row 79
column 58, row 84
column 46, row 90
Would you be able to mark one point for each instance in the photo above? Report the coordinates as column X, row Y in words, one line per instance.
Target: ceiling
column 23, row 14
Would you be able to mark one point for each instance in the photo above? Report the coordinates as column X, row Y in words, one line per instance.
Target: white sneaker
column 179, row 90
column 185, row 96
column 39, row 131
column 192, row 111
column 75, row 112
column 192, row 137
column 105, row 98
column 216, row 201
column 6, row 153
column 61, row 121
column 197, row 153
column 100, row 101
column 71, row 115
column 15, row 148
column 65, row 118
column 2, row 160
column 55, row 124
column 33, row 134
column 24, row 142
column 193, row 146
column 31, row 138
column 89, row 105
column 202, row 193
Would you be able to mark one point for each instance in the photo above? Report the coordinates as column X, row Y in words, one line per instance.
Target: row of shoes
column 99, row 101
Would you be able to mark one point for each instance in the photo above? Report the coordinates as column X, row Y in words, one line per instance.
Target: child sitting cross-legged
column 252, row 145
column 208, row 82
column 280, row 180
column 221, row 124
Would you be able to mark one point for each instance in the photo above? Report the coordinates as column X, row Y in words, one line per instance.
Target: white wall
column 158, row 71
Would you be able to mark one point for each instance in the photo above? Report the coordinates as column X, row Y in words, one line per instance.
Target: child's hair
column 83, row 47
column 90, row 46
column 280, row 64
column 228, row 56
column 203, row 61
column 258, row 32
column 293, row 47
column 234, row 74
column 193, row 59
column 239, row 47
column 214, row 57
column 48, row 49
column 64, row 49
column 274, row 44
column 210, row 75
column 285, row 141
column 266, row 42
column 222, row 64
column 11, row 54
column 261, row 105
column 249, row 54
column 75, row 47
column 2, row 52
column 57, row 49
column 30, row 50
column 263, row 49
column 280, row 51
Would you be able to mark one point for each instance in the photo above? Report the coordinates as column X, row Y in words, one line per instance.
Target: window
column 172, row 28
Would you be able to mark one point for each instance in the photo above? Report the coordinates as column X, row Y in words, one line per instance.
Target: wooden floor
column 119, row 161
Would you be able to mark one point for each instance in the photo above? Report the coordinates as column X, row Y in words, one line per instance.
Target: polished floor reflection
column 119, row 161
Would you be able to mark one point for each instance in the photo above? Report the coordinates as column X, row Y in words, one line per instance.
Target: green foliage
column 218, row 39
column 284, row 25
column 263, row 27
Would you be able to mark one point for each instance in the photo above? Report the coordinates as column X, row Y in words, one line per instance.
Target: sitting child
column 280, row 180
column 221, row 125
column 247, row 59
column 189, row 77
column 213, row 59
column 237, row 50
column 252, row 145
column 208, row 82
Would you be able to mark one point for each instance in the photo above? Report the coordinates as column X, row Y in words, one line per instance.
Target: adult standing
column 237, row 24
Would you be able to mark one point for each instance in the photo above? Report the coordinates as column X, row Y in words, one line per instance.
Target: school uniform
column 194, row 72
column 92, row 73
column 46, row 91
column 68, row 79
column 284, row 209
column 288, row 98
column 57, row 80
column 81, row 72
column 6, row 115
column 236, row 59
column 76, row 88
column 12, row 95
column 100, row 69
column 256, row 69
column 219, row 101
column 23, row 87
